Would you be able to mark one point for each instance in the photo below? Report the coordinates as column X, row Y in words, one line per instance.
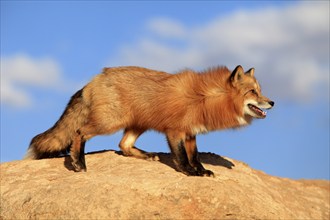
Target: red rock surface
column 118, row 187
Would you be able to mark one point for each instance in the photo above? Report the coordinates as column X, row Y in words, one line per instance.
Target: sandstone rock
column 118, row 187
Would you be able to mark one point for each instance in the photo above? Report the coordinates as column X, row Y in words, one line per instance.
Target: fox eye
column 254, row 92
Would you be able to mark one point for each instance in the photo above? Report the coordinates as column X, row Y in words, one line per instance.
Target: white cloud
column 21, row 71
column 288, row 46
column 167, row 28
column 13, row 96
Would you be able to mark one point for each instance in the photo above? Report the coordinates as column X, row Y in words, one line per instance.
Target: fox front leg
column 176, row 141
column 192, row 153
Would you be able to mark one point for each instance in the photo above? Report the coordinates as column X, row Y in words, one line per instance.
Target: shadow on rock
column 166, row 158
column 208, row 158
column 214, row 159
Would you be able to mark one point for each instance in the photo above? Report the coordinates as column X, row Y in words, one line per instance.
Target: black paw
column 79, row 166
column 202, row 171
column 188, row 170
column 205, row 173
column 196, row 170
column 152, row 157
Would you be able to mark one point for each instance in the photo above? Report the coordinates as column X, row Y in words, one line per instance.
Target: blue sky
column 51, row 49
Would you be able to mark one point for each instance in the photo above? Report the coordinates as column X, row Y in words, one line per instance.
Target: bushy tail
column 58, row 138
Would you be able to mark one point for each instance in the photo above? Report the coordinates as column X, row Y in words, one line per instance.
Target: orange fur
column 138, row 99
column 161, row 101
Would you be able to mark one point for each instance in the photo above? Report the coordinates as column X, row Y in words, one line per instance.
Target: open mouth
column 259, row 112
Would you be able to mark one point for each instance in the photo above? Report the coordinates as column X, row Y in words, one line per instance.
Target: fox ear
column 237, row 74
column 250, row 72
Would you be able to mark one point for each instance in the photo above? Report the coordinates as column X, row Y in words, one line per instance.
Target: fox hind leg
column 77, row 153
column 192, row 153
column 127, row 145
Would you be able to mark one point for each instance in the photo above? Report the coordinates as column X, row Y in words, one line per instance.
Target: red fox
column 137, row 99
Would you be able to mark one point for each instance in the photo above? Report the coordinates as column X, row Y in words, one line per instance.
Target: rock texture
column 118, row 187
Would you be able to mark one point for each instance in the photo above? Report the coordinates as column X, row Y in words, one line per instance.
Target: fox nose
column 271, row 103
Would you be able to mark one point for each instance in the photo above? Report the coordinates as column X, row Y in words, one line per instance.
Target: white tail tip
column 30, row 154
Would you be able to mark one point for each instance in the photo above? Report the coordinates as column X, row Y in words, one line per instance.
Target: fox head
column 249, row 90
